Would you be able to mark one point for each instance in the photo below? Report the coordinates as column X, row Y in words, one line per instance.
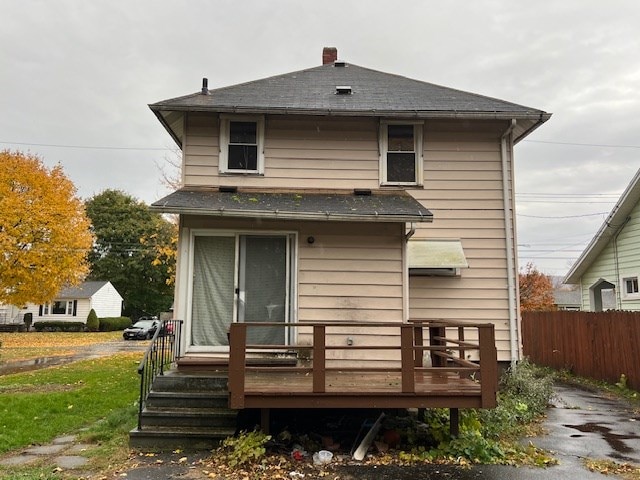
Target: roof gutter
column 510, row 232
column 541, row 117
column 285, row 215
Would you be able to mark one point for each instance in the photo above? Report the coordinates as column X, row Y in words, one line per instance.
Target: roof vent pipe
column 205, row 86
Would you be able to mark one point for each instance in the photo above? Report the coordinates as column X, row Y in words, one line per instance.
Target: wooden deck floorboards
column 281, row 383
column 359, row 390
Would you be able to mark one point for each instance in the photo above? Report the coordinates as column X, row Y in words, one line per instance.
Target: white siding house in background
column 610, row 265
column 73, row 304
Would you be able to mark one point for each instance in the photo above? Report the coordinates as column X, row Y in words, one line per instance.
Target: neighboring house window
column 401, row 153
column 59, row 307
column 630, row 287
column 241, row 144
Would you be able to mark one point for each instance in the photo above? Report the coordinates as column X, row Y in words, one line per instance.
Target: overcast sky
column 76, row 78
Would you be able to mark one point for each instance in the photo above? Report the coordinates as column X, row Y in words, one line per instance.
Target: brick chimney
column 329, row 55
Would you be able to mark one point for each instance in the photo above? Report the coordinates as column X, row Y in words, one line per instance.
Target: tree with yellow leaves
column 44, row 232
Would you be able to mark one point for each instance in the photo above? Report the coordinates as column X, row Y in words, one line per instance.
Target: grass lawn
column 37, row 406
column 95, row 399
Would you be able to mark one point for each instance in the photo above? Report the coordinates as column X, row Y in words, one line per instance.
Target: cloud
column 82, row 73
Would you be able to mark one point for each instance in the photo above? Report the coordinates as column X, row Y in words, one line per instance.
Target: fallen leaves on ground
column 28, row 345
column 608, row 467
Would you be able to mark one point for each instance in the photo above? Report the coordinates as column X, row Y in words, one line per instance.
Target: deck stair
column 187, row 410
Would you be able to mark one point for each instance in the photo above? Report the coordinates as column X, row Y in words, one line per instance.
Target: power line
column 86, row 147
column 565, row 216
column 110, row 147
column 609, row 202
column 575, row 144
column 547, row 195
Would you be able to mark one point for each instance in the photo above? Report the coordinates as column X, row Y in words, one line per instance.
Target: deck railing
column 462, row 349
column 163, row 351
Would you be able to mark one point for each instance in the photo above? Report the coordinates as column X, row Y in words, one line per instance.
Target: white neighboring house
column 73, row 304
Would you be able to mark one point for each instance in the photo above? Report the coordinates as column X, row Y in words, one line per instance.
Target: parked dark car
column 141, row 330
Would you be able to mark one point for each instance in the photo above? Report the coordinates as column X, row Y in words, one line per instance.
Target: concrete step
column 187, row 399
column 190, row 383
column 189, row 417
column 172, row 438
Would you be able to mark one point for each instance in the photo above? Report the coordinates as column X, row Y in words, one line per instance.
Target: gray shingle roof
column 374, row 93
column 84, row 290
column 396, row 206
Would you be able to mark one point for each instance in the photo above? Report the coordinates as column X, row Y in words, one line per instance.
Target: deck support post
column 488, row 366
column 265, row 420
column 418, row 340
column 407, row 358
column 319, row 360
column 436, row 339
column 237, row 360
column 454, row 422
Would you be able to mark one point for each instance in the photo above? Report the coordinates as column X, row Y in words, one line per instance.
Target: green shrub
column 244, row 449
column 524, row 395
column 112, row 324
column 93, row 323
column 59, row 326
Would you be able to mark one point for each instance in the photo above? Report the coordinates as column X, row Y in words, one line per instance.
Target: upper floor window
column 241, row 144
column 630, row 287
column 401, row 153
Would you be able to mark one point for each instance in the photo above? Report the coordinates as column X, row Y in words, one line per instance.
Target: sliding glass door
column 240, row 278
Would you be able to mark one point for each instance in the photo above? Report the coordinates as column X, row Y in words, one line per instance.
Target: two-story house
column 341, row 193
column 341, row 207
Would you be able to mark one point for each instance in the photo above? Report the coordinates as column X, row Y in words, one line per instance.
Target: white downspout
column 405, row 273
column 509, row 227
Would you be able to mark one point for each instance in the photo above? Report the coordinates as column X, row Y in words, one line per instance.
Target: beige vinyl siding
column 201, row 150
column 463, row 189
column 628, row 264
column 351, row 272
column 307, row 152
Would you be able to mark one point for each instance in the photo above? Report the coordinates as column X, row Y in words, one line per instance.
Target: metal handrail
column 162, row 352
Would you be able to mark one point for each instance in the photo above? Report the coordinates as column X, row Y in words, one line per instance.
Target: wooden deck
column 451, row 381
column 358, row 390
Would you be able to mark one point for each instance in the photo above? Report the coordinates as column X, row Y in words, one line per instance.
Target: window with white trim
column 630, row 287
column 401, row 157
column 241, row 144
column 58, row 307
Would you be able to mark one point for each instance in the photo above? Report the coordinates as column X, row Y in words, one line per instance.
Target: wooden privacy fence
column 599, row 345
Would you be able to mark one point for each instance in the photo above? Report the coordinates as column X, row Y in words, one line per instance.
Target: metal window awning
column 435, row 257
